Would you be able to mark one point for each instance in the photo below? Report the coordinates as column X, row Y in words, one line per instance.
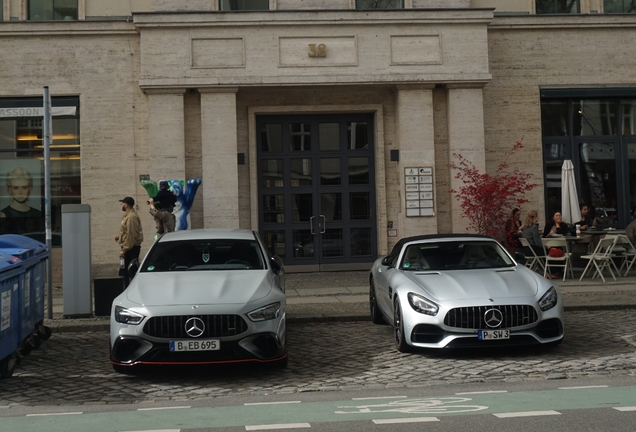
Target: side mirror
column 133, row 267
column 386, row 261
column 277, row 264
column 519, row 257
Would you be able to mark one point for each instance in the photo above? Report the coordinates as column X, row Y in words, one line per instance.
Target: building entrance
column 316, row 190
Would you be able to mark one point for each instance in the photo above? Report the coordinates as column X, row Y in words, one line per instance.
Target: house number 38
column 317, row 50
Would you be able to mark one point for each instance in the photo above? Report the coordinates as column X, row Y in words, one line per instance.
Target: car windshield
column 192, row 255
column 454, row 255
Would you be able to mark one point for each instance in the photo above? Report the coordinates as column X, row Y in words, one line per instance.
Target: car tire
column 376, row 315
column 398, row 329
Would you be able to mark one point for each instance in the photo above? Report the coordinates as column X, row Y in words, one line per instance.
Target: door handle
column 311, row 225
column 324, row 222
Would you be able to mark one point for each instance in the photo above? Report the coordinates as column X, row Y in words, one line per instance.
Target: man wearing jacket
column 130, row 235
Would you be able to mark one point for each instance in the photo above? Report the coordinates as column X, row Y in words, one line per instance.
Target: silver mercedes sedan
column 201, row 297
column 452, row 291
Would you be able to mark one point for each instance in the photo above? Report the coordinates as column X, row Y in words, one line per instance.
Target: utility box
column 76, row 260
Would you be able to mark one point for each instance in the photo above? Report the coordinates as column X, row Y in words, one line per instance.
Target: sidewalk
column 344, row 296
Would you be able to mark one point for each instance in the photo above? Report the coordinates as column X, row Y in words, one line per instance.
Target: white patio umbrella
column 569, row 197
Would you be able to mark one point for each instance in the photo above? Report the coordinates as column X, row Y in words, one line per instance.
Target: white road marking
column 406, row 420
column 376, row 398
column 272, row 403
column 482, row 392
column 582, row 387
column 53, row 414
column 527, row 414
column 163, row 408
column 278, row 426
column 156, row 430
column 628, row 408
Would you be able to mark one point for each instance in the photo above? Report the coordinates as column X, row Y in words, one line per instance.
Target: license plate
column 195, row 345
column 493, row 334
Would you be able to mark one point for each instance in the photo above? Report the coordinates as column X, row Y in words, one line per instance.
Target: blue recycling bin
column 34, row 256
column 11, row 276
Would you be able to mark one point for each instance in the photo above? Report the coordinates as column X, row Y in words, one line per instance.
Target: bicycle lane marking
column 331, row 411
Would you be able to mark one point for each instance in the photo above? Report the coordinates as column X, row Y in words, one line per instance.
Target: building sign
column 419, row 193
column 35, row 112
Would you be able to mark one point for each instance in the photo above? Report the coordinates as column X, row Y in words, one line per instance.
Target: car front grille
column 473, row 317
column 215, row 326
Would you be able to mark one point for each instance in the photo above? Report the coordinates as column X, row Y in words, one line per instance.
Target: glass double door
column 316, row 190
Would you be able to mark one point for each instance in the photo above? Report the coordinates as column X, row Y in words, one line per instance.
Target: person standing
column 161, row 208
column 130, row 235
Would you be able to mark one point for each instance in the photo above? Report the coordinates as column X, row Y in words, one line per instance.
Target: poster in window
column 21, row 196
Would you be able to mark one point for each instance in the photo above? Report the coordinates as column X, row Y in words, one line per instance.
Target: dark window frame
column 31, row 8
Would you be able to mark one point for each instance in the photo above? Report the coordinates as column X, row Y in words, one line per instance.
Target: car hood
column 476, row 284
column 199, row 287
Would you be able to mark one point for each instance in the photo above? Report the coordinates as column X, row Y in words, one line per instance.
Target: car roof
column 208, row 234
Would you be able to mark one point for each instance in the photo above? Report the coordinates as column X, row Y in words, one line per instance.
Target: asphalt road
column 73, row 368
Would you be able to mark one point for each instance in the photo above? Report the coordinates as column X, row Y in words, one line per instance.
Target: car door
column 383, row 275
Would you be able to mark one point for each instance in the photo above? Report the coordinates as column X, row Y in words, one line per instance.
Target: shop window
column 243, row 5
column 557, row 6
column 52, row 10
column 379, row 4
column 22, row 165
column 554, row 117
column 619, row 6
column 594, row 117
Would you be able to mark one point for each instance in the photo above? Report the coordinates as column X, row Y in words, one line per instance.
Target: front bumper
column 433, row 336
column 259, row 347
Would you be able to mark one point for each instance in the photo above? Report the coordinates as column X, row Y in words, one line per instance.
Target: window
column 557, row 6
column 22, row 164
column 243, row 5
column 619, row 6
column 596, row 130
column 52, row 10
column 379, row 4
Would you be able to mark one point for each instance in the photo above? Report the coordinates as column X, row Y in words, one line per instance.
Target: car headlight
column 549, row 299
column 126, row 316
column 422, row 305
column 265, row 313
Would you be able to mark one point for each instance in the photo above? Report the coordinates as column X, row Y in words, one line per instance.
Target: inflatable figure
column 185, row 197
column 185, row 192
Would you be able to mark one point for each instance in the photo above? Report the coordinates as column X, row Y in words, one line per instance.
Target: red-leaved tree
column 487, row 199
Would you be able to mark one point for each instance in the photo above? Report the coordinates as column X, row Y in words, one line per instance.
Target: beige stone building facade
column 323, row 125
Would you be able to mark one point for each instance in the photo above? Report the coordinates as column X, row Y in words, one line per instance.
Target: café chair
column 601, row 258
column 625, row 249
column 533, row 261
column 564, row 262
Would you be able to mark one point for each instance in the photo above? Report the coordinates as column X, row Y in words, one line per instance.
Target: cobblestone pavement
column 72, row 368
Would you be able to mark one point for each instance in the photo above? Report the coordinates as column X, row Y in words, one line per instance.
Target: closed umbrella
column 570, row 210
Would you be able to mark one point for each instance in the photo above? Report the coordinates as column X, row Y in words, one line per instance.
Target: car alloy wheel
column 376, row 316
column 398, row 328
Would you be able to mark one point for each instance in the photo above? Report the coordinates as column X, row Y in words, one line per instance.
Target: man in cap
column 130, row 235
column 161, row 207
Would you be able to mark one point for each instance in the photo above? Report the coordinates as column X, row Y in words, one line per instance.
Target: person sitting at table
column 530, row 232
column 556, row 227
column 586, row 220
column 513, row 230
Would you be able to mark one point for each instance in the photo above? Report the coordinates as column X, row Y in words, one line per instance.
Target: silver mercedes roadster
column 452, row 291
column 201, row 297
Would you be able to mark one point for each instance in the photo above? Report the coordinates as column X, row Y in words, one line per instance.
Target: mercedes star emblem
column 493, row 318
column 194, row 327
